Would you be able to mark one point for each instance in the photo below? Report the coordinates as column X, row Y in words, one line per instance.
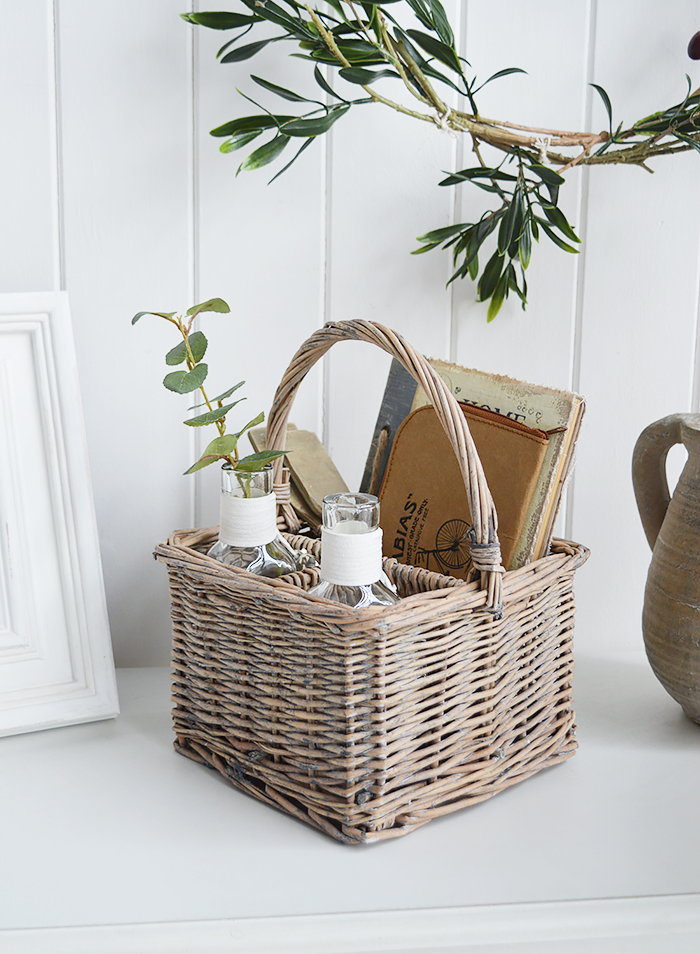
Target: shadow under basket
column 367, row 723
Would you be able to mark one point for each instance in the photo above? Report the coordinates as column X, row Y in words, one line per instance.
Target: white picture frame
column 56, row 663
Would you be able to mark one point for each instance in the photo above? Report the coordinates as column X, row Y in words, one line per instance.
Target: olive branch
column 366, row 44
column 190, row 352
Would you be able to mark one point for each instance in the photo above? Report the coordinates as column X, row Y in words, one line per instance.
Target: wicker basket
column 368, row 723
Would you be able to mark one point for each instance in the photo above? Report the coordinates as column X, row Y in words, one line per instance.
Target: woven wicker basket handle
column 485, row 548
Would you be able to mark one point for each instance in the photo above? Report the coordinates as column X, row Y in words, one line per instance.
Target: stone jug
column 671, row 617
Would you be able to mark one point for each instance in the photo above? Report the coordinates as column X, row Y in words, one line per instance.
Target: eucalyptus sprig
column 367, row 45
column 190, row 352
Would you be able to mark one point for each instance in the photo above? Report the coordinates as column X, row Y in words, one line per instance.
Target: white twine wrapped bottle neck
column 247, row 521
column 351, row 555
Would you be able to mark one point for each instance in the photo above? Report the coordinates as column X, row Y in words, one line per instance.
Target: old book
column 424, row 508
column 313, row 473
column 558, row 413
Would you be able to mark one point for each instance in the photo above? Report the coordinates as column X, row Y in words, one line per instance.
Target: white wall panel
column 126, row 130
column 640, row 308
column 142, row 211
column 28, row 169
column 260, row 247
column 537, row 344
column 384, row 174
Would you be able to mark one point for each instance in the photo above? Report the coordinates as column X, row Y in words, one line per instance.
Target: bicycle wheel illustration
column 452, row 545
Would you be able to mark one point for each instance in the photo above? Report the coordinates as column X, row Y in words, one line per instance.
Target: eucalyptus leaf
column 182, row 382
column 254, row 423
column 200, row 465
column 212, row 304
column 221, row 446
column 158, row 314
column 209, row 417
column 258, row 460
column 198, row 347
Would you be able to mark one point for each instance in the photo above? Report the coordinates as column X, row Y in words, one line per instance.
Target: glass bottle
column 351, row 553
column 248, row 534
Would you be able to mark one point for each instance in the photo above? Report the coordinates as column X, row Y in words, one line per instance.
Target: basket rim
column 566, row 556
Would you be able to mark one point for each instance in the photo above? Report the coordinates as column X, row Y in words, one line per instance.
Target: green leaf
column 211, row 416
column 221, row 446
column 442, row 24
column 321, row 80
column 557, row 241
column 280, row 90
column 258, row 460
column 239, row 140
column 254, row 423
column 264, row 155
column 606, row 102
column 200, row 465
column 557, row 218
column 182, row 382
column 441, row 235
column 249, row 49
column 213, row 304
column 547, row 175
column 525, row 245
column 198, row 347
column 505, row 232
column 158, row 314
column 248, row 123
column 222, row 397
column 220, row 21
column 499, row 74
column 490, row 276
column 441, row 51
column 363, row 77
column 498, row 297
column 293, row 159
column 314, row 127
column 219, row 397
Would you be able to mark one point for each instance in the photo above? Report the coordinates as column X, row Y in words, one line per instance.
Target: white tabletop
column 104, row 824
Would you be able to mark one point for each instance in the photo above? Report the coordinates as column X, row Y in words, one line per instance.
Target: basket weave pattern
column 369, row 723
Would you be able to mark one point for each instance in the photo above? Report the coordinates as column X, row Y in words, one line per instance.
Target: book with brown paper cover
column 424, row 509
column 557, row 412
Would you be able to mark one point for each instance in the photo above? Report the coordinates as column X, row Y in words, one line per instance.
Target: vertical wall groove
column 59, row 268
column 194, row 438
column 577, row 337
column 456, row 205
column 326, row 243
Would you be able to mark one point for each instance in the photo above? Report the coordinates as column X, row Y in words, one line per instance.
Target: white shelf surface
column 112, row 841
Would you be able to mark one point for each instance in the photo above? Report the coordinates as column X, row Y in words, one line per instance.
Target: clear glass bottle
column 351, row 553
column 248, row 534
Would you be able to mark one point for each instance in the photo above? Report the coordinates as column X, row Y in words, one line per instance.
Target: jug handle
column 649, row 471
